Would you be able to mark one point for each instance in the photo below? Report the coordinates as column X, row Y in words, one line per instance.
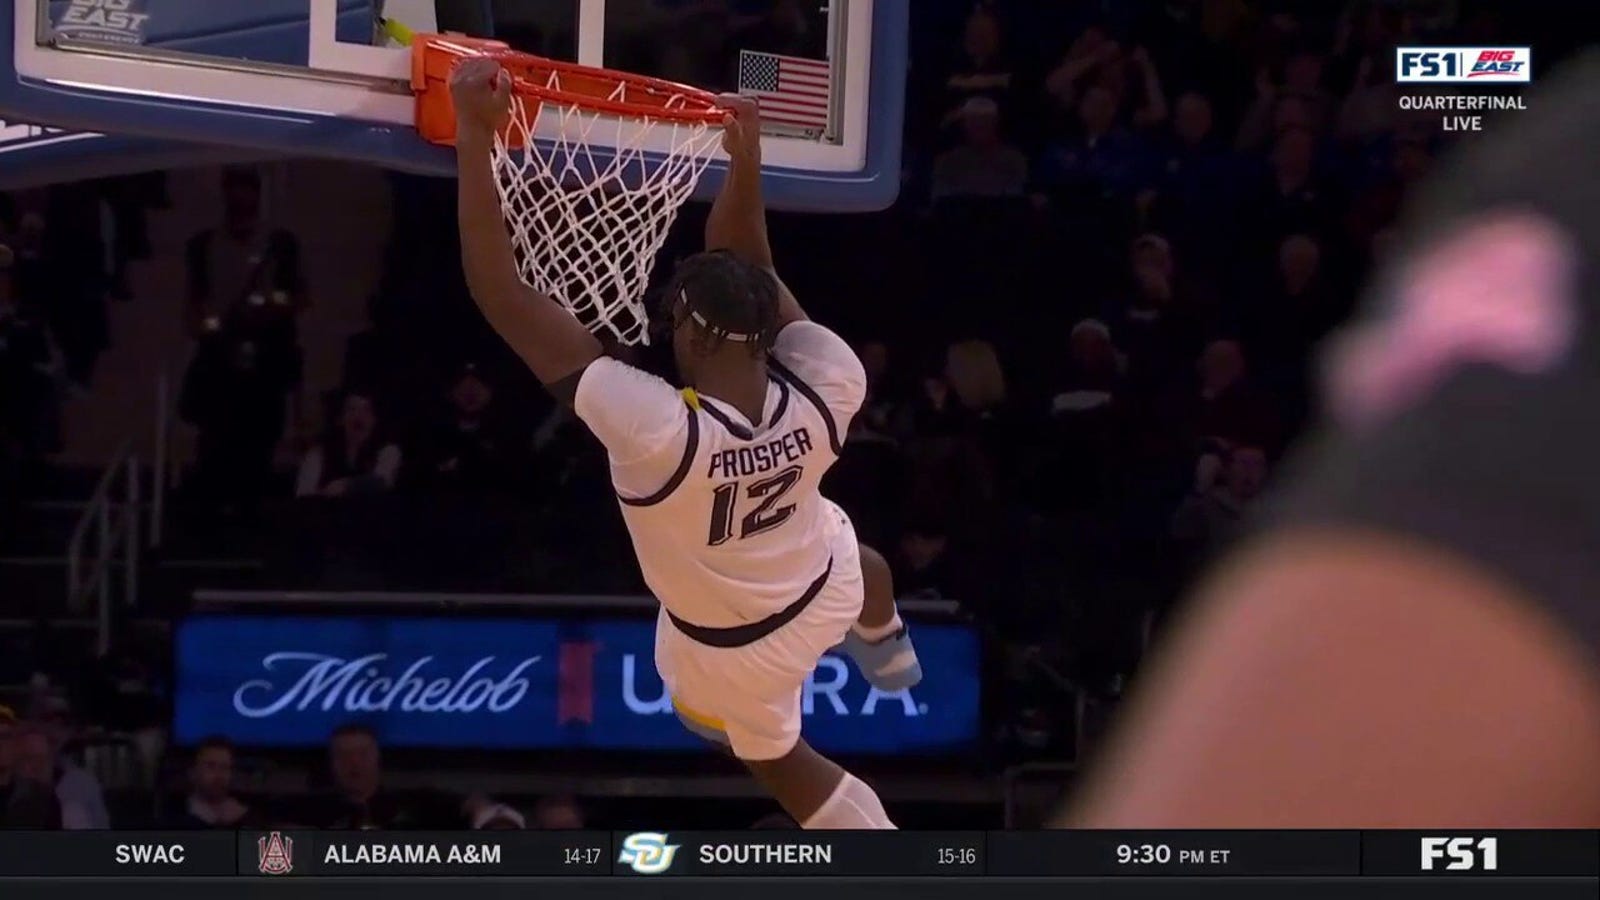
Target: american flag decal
column 790, row 90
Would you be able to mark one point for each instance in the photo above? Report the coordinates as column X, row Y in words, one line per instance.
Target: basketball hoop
column 592, row 169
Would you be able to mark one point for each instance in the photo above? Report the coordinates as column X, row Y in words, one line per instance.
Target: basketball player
column 758, row 575
column 1415, row 639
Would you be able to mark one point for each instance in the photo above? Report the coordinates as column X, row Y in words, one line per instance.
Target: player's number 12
column 766, row 515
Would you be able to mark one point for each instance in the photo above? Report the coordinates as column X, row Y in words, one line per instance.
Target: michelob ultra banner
column 551, row 681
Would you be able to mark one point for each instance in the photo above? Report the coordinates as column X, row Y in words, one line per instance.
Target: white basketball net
column 590, row 203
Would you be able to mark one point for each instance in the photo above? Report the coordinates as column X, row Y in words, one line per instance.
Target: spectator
column 884, row 416
column 30, row 364
column 486, row 815
column 360, row 803
column 1225, row 486
column 29, row 276
column 234, row 394
column 353, row 458
column 1086, row 420
column 471, row 450
column 1156, row 325
column 1092, row 52
column 1299, row 101
column 868, row 477
column 26, row 800
column 1197, row 188
column 984, row 165
column 210, row 802
column 1102, row 161
column 83, row 802
column 1370, row 108
column 981, row 69
column 972, row 370
column 245, row 292
column 558, row 813
column 65, row 273
column 1299, row 308
column 969, row 400
column 921, row 565
column 1092, row 373
column 1097, row 61
column 1228, row 408
column 1293, row 197
column 1152, row 109
column 1401, row 164
column 381, row 357
column 244, row 272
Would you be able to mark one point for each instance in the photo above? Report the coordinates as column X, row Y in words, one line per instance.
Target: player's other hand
column 482, row 94
column 741, row 130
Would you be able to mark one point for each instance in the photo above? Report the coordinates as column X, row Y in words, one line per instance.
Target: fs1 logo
column 647, row 852
column 1464, row 854
column 1456, row 65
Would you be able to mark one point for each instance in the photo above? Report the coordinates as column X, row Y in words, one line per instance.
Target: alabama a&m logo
column 275, row 854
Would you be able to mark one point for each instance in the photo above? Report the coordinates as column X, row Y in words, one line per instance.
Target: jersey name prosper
column 763, row 457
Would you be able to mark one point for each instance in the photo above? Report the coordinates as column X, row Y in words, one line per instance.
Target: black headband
column 723, row 333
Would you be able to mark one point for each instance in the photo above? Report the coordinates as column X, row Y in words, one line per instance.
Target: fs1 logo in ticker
column 1460, row 854
column 1457, row 65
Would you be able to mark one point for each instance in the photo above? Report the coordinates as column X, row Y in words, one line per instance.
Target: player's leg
column 749, row 700
column 879, row 641
column 878, row 610
column 763, row 732
column 818, row 793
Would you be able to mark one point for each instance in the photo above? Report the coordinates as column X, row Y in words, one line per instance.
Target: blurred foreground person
column 1412, row 641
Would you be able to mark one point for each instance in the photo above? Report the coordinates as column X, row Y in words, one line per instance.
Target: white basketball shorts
column 749, row 697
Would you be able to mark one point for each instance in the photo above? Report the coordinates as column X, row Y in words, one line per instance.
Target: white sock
column 853, row 806
column 875, row 633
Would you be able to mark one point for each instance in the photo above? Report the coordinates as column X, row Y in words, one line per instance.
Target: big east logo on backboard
column 275, row 854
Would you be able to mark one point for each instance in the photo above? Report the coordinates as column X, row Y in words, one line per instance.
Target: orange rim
column 434, row 57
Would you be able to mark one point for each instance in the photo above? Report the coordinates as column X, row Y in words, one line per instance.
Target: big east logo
column 1455, row 65
column 1500, row 64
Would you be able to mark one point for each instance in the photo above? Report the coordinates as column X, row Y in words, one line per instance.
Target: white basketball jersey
column 726, row 515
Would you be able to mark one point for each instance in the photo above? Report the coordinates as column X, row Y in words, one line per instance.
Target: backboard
column 322, row 78
column 33, row 155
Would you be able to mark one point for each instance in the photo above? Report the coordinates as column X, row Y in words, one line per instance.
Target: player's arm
column 547, row 337
column 738, row 220
column 1340, row 679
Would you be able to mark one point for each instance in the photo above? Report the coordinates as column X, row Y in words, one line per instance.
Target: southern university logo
column 647, row 852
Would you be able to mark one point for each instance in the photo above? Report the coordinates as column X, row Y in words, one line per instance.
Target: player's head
column 720, row 306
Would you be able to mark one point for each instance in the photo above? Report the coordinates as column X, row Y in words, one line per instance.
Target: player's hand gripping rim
column 481, row 91
column 741, row 128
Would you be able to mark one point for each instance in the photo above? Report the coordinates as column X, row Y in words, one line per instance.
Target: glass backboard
column 326, row 78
